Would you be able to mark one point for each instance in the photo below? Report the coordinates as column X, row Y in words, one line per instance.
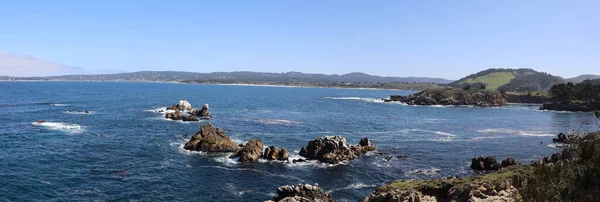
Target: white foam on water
column 366, row 99
column 486, row 137
column 161, row 110
column 352, row 186
column 58, row 105
column 65, row 127
column 275, row 121
column 515, row 132
column 79, row 113
column 555, row 145
column 429, row 172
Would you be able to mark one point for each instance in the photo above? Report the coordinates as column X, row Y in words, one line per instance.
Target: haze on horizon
column 388, row 38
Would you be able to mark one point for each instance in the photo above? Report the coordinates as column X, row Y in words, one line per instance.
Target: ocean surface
column 124, row 150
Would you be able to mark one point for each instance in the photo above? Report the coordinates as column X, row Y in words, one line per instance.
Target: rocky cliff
column 452, row 96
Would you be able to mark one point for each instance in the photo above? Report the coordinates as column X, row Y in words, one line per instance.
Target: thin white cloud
column 25, row 66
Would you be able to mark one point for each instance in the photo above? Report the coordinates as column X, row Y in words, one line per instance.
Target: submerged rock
column 183, row 105
column 252, row 151
column 202, row 113
column 211, row 139
column 302, row 193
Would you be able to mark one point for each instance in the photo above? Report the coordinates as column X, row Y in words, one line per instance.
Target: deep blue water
column 67, row 159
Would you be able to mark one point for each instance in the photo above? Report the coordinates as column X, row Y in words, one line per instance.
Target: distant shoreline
column 223, row 84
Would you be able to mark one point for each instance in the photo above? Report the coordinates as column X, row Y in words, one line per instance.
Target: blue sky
column 447, row 39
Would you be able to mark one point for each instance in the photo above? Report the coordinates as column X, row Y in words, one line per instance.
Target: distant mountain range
column 584, row 77
column 236, row 77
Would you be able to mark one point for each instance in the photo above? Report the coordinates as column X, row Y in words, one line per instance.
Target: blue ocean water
column 124, row 150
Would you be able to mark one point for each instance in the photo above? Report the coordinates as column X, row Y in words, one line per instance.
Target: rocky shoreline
column 570, row 106
column 452, row 96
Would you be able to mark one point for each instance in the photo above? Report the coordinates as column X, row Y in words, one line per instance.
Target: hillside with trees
column 584, row 96
column 510, row 80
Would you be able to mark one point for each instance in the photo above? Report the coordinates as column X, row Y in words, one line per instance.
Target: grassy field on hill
column 493, row 80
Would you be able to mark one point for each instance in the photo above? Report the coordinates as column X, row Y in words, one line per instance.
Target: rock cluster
column 202, row 113
column 252, row 151
column 211, row 139
column 183, row 105
column 451, row 96
column 179, row 116
column 274, row 153
column 302, row 193
column 450, row 189
column 334, row 149
column 490, row 163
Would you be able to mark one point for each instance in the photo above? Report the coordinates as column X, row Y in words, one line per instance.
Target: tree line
column 586, row 91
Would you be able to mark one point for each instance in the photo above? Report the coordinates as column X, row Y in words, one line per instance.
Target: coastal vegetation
column 511, row 80
column 584, row 96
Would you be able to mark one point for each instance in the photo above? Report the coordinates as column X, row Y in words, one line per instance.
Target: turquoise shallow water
column 139, row 155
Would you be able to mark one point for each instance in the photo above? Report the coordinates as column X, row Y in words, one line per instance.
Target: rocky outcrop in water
column 178, row 116
column 211, row 139
column 570, row 106
column 183, row 105
column 450, row 189
column 202, row 113
column 451, row 96
column 251, row 152
column 334, row 149
column 490, row 163
column 274, row 153
column 302, row 193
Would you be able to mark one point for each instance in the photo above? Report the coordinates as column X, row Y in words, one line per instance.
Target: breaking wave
column 515, row 132
column 352, row 186
column 65, row 127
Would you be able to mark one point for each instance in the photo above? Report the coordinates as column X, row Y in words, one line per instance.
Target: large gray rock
column 274, row 153
column 251, row 152
column 211, row 139
column 302, row 193
column 179, row 116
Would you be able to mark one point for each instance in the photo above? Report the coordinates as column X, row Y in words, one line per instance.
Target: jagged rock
column 181, row 106
column 298, row 160
column 487, row 163
column 451, row 96
column 283, row 155
column 510, row 162
column 211, row 139
column 271, row 153
column 334, row 149
column 329, row 149
column 302, row 193
column 252, row 151
column 363, row 147
column 202, row 113
column 179, row 116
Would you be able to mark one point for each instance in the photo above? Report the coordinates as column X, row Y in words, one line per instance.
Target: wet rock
column 251, row 152
column 298, row 160
column 181, row 106
column 363, row 147
column 211, row 139
column 178, row 116
column 283, row 155
column 302, row 193
column 329, row 149
column 271, row 153
column 202, row 113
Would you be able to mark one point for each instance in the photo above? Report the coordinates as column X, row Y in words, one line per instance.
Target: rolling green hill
column 511, row 80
